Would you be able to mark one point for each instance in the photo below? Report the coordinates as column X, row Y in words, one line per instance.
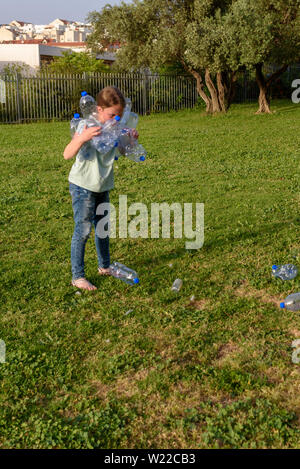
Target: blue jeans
column 85, row 205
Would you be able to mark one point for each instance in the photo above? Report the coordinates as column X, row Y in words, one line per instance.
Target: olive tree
column 156, row 32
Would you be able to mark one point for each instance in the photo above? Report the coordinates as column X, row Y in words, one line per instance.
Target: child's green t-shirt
column 95, row 171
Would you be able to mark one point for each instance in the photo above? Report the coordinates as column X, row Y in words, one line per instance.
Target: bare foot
column 83, row 284
column 103, row 271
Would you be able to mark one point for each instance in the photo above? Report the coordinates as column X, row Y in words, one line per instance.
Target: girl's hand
column 88, row 133
column 80, row 139
column 134, row 134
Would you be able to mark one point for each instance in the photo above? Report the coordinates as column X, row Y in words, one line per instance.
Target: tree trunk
column 201, row 92
column 264, row 87
column 221, row 85
column 221, row 97
column 213, row 92
column 226, row 88
column 263, row 101
column 200, row 86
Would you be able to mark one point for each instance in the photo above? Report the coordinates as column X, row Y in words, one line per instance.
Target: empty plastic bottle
column 292, row 302
column 133, row 120
column 74, row 123
column 177, row 284
column 128, row 119
column 126, row 113
column 108, row 138
column 87, row 149
column 285, row 272
column 88, row 105
column 125, row 274
column 137, row 157
column 130, row 147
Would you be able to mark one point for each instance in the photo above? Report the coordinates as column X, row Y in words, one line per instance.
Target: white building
column 32, row 55
column 59, row 30
column 7, row 33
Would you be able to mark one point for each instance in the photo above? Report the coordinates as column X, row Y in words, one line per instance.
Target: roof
column 45, row 41
column 64, row 44
column 63, row 21
column 22, row 23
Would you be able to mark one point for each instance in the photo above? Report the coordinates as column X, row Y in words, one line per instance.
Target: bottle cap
column 142, row 158
column 136, row 280
column 83, row 93
column 117, row 118
column 282, row 304
column 76, row 115
column 274, row 267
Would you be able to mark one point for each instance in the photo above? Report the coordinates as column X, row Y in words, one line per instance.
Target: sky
column 43, row 12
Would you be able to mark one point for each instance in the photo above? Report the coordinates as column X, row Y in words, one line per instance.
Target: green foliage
column 174, row 68
column 217, row 36
column 15, row 69
column 76, row 62
column 240, row 36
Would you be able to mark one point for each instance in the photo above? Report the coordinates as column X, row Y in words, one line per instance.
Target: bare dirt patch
column 227, row 349
column 247, row 291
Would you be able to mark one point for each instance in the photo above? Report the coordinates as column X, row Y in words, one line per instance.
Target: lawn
column 208, row 367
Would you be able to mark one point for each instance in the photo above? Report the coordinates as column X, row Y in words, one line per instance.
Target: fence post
column 145, row 94
column 19, row 104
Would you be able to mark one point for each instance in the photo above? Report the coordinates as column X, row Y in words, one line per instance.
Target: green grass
column 215, row 372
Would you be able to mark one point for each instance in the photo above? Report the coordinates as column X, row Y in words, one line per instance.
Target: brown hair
column 110, row 96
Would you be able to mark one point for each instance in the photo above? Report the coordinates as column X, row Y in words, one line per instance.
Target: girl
column 90, row 182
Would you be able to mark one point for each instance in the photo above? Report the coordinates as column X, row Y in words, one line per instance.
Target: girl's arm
column 78, row 140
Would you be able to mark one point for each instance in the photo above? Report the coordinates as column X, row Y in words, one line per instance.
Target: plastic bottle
column 292, row 302
column 133, row 120
column 137, row 157
column 128, row 119
column 88, row 105
column 86, row 151
column 130, row 147
column 125, row 274
column 74, row 123
column 285, row 272
column 108, row 138
column 126, row 113
column 177, row 284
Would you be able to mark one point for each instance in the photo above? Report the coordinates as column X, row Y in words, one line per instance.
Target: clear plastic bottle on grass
column 124, row 273
column 285, row 271
column 292, row 302
column 177, row 284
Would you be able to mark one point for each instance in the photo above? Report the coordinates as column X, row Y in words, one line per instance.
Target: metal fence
column 56, row 97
